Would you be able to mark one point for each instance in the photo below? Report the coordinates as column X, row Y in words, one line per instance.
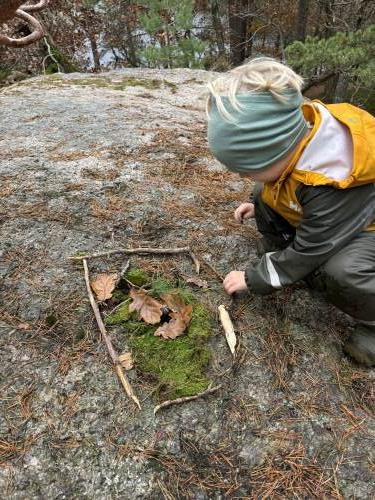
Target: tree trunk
column 218, row 27
column 302, row 16
column 95, row 52
column 237, row 30
column 132, row 57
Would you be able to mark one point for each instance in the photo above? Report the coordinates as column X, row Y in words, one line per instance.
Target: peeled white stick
column 228, row 329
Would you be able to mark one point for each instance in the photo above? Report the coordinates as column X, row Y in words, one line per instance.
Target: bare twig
column 171, row 402
column 114, row 356
column 195, row 260
column 124, row 270
column 142, row 250
column 51, row 56
column 131, row 251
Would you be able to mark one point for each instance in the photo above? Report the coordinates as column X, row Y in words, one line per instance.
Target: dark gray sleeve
column 331, row 218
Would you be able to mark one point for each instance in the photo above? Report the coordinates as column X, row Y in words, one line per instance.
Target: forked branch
column 10, row 9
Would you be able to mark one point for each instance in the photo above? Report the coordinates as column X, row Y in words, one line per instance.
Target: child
column 316, row 206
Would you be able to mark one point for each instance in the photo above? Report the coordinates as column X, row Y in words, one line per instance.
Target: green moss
column 120, row 315
column 200, row 325
column 80, row 334
column 101, row 82
column 171, row 85
column 161, row 286
column 92, row 82
column 177, row 366
column 54, row 77
column 136, row 82
column 137, row 276
column 118, row 296
column 4, row 73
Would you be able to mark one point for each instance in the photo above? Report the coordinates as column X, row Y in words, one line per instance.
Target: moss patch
column 4, row 73
column 138, row 277
column 102, row 82
column 120, row 315
column 178, row 365
column 116, row 85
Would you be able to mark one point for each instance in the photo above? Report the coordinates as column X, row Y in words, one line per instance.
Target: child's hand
column 244, row 211
column 235, row 282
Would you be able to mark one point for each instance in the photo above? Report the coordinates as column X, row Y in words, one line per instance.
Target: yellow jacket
column 281, row 194
column 327, row 199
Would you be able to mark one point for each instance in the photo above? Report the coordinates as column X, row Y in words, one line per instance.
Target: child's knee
column 339, row 270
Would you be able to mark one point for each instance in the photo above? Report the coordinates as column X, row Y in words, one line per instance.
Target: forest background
column 330, row 42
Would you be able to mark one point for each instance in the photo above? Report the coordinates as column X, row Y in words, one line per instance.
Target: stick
column 228, row 329
column 131, row 251
column 171, row 402
column 195, row 260
column 141, row 250
column 125, row 269
column 114, row 356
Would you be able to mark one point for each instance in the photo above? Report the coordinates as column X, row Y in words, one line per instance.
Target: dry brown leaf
column 103, row 286
column 196, row 281
column 126, row 360
column 174, row 301
column 148, row 308
column 177, row 325
column 23, row 326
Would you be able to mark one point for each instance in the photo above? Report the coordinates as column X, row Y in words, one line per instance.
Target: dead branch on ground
column 114, row 356
column 171, row 402
column 142, row 250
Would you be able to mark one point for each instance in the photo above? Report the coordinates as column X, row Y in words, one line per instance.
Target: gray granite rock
column 94, row 162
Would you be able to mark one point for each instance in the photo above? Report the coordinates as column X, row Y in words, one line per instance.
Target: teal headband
column 264, row 131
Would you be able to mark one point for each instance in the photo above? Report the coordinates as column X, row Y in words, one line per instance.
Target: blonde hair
column 261, row 74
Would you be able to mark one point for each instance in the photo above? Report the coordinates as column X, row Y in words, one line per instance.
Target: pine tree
column 348, row 57
column 169, row 24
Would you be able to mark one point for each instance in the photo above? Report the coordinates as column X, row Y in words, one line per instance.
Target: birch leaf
column 148, row 308
column 177, row 325
column 103, row 286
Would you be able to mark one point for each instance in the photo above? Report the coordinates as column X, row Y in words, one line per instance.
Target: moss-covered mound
column 178, row 365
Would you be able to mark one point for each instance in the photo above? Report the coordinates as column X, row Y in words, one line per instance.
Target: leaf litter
column 180, row 317
column 151, row 311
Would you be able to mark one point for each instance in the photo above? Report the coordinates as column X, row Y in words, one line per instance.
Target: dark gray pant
column 347, row 278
